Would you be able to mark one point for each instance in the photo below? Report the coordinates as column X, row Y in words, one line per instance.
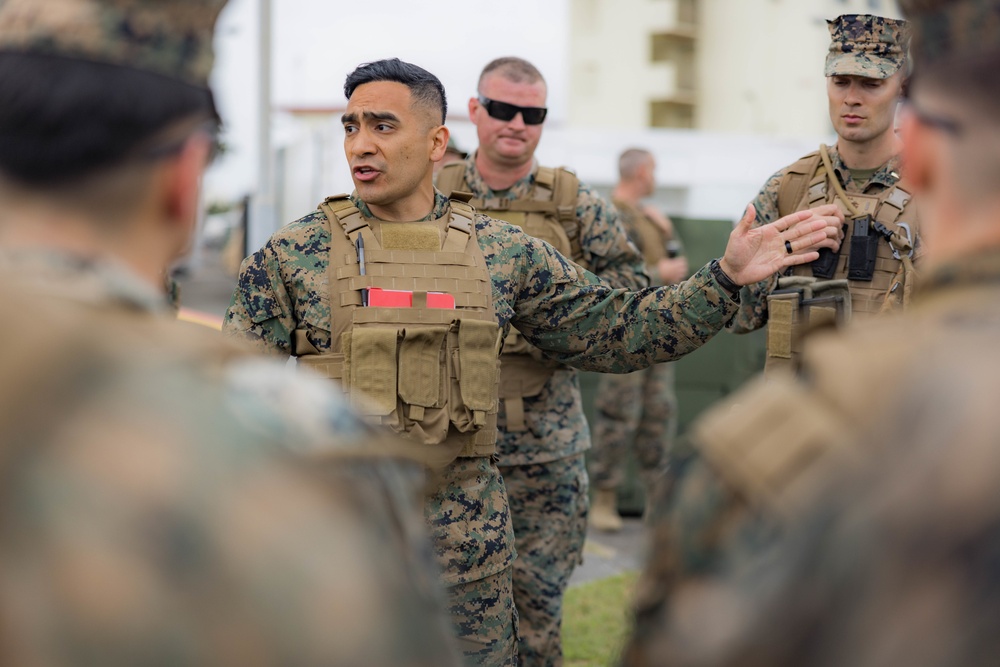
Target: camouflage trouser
column 485, row 620
column 548, row 506
column 640, row 405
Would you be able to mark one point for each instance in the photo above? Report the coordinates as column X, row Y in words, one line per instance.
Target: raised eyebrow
column 381, row 115
column 370, row 116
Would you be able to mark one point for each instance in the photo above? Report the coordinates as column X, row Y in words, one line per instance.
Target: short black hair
column 424, row 86
column 62, row 119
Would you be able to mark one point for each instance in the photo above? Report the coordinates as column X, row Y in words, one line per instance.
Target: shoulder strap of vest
column 566, row 191
column 795, row 183
column 775, row 474
column 561, row 187
column 342, row 209
column 450, row 178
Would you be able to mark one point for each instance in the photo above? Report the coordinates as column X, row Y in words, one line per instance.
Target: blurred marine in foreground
column 854, row 536
column 167, row 497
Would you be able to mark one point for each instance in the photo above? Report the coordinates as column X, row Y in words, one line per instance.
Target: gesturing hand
column 755, row 253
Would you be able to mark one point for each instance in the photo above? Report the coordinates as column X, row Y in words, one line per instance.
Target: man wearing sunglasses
column 543, row 430
column 865, row 71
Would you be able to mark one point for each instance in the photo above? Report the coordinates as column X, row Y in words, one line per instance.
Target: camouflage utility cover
column 865, row 45
column 170, row 37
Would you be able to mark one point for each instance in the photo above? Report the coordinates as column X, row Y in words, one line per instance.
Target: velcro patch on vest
column 478, row 346
column 410, row 236
column 420, row 364
column 780, row 326
column 373, row 370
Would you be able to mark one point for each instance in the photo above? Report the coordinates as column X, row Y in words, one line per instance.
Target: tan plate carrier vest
column 807, row 184
column 652, row 239
column 549, row 213
column 430, row 374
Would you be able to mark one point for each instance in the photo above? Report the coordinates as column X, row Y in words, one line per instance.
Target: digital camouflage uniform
column 753, row 298
column 555, row 304
column 861, row 45
column 158, row 505
column 543, row 466
column 639, row 408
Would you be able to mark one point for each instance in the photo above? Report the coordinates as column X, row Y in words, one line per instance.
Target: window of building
column 667, row 113
column 687, row 12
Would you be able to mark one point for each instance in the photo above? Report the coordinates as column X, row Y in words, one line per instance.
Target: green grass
column 596, row 621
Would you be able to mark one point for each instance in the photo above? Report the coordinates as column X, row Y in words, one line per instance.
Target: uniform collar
column 522, row 189
column 886, row 176
column 440, row 209
column 66, row 275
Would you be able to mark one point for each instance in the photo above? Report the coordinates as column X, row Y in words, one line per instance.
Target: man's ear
column 918, row 150
column 439, row 142
column 473, row 105
column 182, row 180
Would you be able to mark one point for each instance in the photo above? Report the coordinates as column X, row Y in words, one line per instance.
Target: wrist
column 727, row 268
column 723, row 278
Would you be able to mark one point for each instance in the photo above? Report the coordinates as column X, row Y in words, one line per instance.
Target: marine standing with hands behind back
column 865, row 72
column 543, row 432
column 430, row 373
column 638, row 407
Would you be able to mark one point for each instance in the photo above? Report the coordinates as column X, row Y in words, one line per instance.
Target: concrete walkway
column 608, row 554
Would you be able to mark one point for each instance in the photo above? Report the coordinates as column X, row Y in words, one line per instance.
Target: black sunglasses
column 506, row 112
column 209, row 128
column 948, row 125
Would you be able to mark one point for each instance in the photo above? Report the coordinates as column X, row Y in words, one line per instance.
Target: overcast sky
column 317, row 42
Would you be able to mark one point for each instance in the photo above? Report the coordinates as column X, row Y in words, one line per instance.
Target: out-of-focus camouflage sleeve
column 134, row 537
column 752, row 314
column 577, row 319
column 692, row 510
column 262, row 311
column 607, row 250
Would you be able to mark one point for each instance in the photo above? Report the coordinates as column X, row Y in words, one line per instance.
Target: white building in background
column 723, row 92
column 741, row 66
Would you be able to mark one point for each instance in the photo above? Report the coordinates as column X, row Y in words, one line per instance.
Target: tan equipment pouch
column 430, row 374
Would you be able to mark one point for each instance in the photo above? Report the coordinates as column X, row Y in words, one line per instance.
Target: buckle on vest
column 898, row 198
column 566, row 213
column 888, row 235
